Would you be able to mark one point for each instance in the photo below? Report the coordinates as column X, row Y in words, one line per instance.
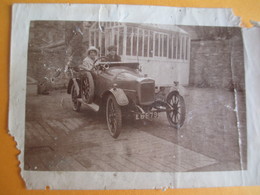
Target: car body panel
column 127, row 78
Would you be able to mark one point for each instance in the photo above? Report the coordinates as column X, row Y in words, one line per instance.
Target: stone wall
column 217, row 63
column 51, row 44
column 46, row 51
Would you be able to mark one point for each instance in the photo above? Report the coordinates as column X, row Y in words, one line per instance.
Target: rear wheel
column 113, row 116
column 74, row 98
column 176, row 117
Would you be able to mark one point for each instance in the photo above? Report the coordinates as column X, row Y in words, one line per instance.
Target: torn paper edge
column 22, row 14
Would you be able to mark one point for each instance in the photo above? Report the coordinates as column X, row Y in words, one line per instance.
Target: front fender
column 76, row 83
column 120, row 96
column 174, row 88
column 182, row 91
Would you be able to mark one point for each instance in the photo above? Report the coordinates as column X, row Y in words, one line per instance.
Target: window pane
column 115, row 35
column 146, row 34
column 161, row 45
column 156, row 44
column 128, row 40
column 183, row 48
column 140, row 42
column 121, row 41
column 174, row 47
column 151, row 44
column 108, row 37
column 187, row 48
column 100, row 45
column 103, row 46
column 178, row 47
column 135, row 42
column 170, row 48
column 165, row 46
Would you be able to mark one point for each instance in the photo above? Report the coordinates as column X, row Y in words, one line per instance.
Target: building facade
column 162, row 51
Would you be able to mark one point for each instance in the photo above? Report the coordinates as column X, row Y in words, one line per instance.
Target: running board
column 92, row 106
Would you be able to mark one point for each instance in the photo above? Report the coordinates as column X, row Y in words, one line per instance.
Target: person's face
column 113, row 52
column 92, row 54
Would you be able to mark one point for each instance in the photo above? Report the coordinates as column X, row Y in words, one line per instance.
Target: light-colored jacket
column 88, row 63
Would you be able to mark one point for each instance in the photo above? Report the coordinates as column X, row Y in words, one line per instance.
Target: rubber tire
column 90, row 80
column 78, row 105
column 118, row 116
column 182, row 108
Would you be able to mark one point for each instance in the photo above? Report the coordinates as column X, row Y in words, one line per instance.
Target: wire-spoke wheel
column 74, row 98
column 87, row 88
column 176, row 115
column 113, row 116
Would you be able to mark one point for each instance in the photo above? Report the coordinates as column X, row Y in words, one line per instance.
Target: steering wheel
column 105, row 66
column 100, row 58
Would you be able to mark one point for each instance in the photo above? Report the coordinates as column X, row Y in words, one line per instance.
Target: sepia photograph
column 132, row 97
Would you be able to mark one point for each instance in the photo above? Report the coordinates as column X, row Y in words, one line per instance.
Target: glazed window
column 120, row 41
column 187, row 48
column 170, row 51
column 178, row 48
column 161, row 45
column 183, row 53
column 103, row 49
column 140, row 42
column 134, row 46
column 174, row 47
column 129, row 41
column 165, row 45
column 145, row 43
column 156, row 46
column 150, row 47
column 115, row 32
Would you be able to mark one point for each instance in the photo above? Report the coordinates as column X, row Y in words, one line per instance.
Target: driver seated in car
column 112, row 56
column 88, row 62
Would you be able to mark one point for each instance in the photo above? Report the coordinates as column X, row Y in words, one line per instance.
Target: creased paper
column 197, row 53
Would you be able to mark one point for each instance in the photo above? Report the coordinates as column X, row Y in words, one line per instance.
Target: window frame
column 177, row 43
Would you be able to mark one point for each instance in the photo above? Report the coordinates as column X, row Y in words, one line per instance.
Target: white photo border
column 22, row 14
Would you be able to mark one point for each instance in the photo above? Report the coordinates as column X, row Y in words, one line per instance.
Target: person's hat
column 112, row 48
column 92, row 48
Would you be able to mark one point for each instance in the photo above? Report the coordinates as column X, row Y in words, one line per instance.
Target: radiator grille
column 147, row 93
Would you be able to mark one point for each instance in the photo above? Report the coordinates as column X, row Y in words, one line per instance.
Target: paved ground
column 60, row 139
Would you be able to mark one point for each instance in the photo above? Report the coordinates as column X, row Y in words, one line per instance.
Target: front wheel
column 113, row 116
column 176, row 116
column 74, row 98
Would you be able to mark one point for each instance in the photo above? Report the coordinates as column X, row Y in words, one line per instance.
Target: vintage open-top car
column 122, row 90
